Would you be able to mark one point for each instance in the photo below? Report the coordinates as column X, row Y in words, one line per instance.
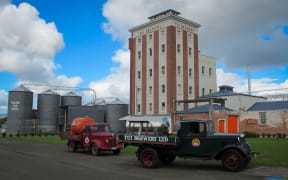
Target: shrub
column 4, row 134
column 251, row 134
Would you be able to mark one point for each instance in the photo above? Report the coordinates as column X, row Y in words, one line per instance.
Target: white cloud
column 231, row 31
column 117, row 84
column 28, row 45
column 260, row 86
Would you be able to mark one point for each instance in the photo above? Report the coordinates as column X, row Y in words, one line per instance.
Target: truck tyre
column 94, row 149
column 149, row 158
column 116, row 151
column 232, row 160
column 72, row 146
column 168, row 158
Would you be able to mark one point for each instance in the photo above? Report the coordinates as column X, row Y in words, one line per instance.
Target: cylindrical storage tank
column 78, row 124
column 71, row 99
column 102, row 107
column 19, row 117
column 115, row 110
column 48, row 107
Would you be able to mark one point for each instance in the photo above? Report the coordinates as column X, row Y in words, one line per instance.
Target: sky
column 84, row 43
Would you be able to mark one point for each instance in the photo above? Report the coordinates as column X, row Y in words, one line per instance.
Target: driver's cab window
column 196, row 128
column 87, row 129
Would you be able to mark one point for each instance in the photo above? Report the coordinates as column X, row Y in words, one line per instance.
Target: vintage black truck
column 194, row 139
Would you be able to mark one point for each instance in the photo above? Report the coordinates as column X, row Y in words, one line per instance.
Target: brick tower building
column 165, row 65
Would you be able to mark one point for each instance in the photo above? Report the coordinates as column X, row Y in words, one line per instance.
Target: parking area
column 36, row 161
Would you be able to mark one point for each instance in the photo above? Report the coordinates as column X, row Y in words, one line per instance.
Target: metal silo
column 48, row 106
column 115, row 110
column 102, row 107
column 19, row 118
column 71, row 99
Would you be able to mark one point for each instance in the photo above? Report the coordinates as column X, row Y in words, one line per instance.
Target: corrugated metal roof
column 268, row 106
column 143, row 118
column 202, row 109
column 117, row 101
column 71, row 94
column 22, row 88
column 101, row 103
column 49, row 92
column 228, row 93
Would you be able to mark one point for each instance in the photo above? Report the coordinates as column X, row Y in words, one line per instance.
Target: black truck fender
column 219, row 154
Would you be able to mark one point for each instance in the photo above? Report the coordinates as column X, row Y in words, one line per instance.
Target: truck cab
column 198, row 139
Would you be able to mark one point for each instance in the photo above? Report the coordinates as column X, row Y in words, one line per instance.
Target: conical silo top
column 117, row 101
column 71, row 94
column 49, row 92
column 101, row 103
column 21, row 88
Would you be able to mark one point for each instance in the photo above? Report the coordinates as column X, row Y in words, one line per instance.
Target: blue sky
column 83, row 43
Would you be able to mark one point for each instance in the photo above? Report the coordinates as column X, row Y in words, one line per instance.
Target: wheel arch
column 220, row 153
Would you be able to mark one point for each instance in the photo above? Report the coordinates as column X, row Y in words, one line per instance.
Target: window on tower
column 190, row 90
column 163, row 70
column 139, row 40
column 150, row 72
column 179, row 70
column 190, row 72
column 139, row 74
column 190, row 51
column 163, row 48
column 203, row 70
column 210, row 72
column 150, row 51
column 150, row 107
column 163, row 88
column 163, row 106
column 139, row 54
column 150, row 90
column 150, row 36
column 138, row 108
column 203, row 91
column 178, row 48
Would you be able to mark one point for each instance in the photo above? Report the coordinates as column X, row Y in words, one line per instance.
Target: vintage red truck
column 85, row 133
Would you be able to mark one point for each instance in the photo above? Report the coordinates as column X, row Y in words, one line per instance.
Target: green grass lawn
column 49, row 139
column 273, row 151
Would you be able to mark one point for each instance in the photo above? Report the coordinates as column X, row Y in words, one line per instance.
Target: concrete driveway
column 22, row 160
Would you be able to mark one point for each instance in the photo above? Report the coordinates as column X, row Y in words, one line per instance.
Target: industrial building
column 55, row 112
column 165, row 65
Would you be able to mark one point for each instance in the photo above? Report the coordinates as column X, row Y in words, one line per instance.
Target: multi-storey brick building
column 166, row 65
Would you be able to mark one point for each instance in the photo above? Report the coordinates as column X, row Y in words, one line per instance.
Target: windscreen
column 100, row 128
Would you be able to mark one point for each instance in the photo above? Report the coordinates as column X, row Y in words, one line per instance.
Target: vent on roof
column 226, row 88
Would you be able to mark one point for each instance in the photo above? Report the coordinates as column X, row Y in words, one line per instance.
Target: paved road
column 22, row 160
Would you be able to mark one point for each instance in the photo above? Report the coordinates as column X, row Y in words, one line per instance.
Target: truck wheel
column 94, row 149
column 232, row 160
column 116, row 151
column 72, row 146
column 149, row 158
column 168, row 158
